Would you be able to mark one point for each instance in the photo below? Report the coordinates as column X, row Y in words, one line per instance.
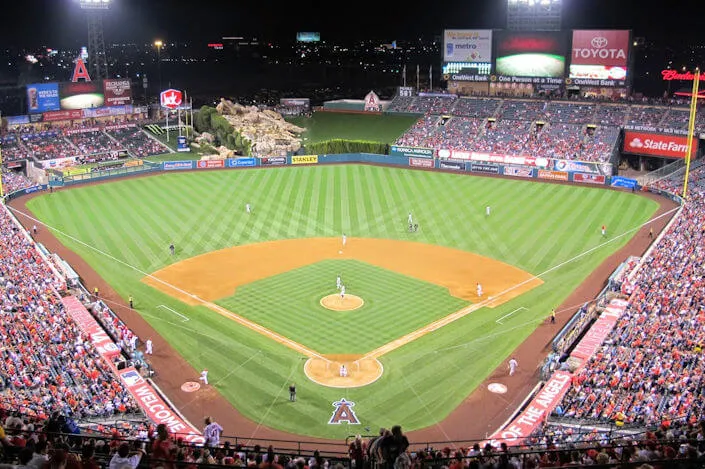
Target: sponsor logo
column 588, row 178
column 553, row 175
column 620, row 181
column 565, row 165
column 497, row 388
column 667, row 146
column 454, row 165
column 343, row 413
column 208, row 164
column 29, row 190
column 411, row 151
column 484, row 168
column 80, row 71
column 173, row 165
column 273, row 161
column 606, row 47
column 241, row 162
column 304, row 159
column 669, row 75
column 131, row 378
column 171, row 99
column 190, row 386
column 518, row 171
column 444, row 153
column 421, row 162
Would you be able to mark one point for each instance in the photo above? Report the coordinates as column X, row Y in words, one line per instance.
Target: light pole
column 158, row 44
column 97, row 59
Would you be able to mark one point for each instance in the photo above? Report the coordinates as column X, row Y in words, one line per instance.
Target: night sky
column 60, row 23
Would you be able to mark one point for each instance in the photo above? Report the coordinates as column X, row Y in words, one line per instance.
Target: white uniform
column 479, row 290
column 345, row 239
column 512, row 366
column 247, row 208
column 343, row 371
column 204, row 376
column 148, row 347
column 411, row 219
column 133, row 342
column 342, row 291
column 338, row 283
column 487, row 210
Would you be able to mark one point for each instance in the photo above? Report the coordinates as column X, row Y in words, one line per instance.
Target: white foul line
column 175, row 312
column 499, row 321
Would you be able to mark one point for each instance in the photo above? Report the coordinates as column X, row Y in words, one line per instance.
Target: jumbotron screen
column 530, row 54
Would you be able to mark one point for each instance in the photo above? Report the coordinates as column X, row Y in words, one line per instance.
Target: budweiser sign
column 609, row 48
column 669, row 75
column 663, row 145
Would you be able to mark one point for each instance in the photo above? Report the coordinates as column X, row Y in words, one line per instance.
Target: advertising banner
column 273, row 161
column 484, row 168
column 81, row 95
column 530, row 54
column 182, row 145
column 620, row 181
column 108, row 111
column 62, row 115
column 177, row 165
column 536, row 412
column 117, row 92
column 295, row 102
column 583, row 167
column 518, row 171
column 210, row 164
column 553, row 175
column 597, row 75
column 589, row 178
column 495, row 158
column 467, row 45
column 450, row 164
column 17, row 120
column 86, row 322
column 599, row 331
column 421, row 162
column 155, row 408
column 416, row 152
column 241, row 162
column 304, row 159
column 58, row 162
column 662, row 145
column 608, row 48
column 42, row 97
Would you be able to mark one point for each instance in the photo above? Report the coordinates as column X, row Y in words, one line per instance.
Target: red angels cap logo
column 171, row 99
column 343, row 413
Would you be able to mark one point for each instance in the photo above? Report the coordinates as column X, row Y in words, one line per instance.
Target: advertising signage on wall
column 530, row 54
column 662, row 145
column 42, row 97
column 467, row 45
column 599, row 57
column 117, row 92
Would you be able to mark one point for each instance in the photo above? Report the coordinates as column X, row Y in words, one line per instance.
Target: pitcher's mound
column 325, row 370
column 336, row 303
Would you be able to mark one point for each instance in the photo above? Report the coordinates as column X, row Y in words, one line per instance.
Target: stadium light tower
column 97, row 59
column 534, row 15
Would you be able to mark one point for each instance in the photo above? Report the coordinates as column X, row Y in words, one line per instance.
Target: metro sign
column 171, row 99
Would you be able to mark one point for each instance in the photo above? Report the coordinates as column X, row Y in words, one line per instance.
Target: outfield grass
column 394, row 303
column 537, row 227
column 330, row 125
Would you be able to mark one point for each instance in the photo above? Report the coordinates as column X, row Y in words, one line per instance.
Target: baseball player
column 338, row 282
column 204, row 376
column 411, row 219
column 148, row 347
column 133, row 342
column 604, row 230
column 345, row 239
column 342, row 292
column 248, row 209
column 172, row 249
column 343, row 371
column 487, row 211
column 479, row 289
column 512, row 366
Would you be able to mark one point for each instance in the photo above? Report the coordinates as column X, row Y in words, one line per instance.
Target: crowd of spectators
column 47, row 363
column 556, row 140
column 49, row 144
column 645, row 115
column 650, row 370
column 504, row 136
column 137, row 142
column 12, row 148
column 476, row 107
column 570, row 113
column 422, row 133
column 14, row 180
column 523, row 110
column 93, row 142
column 611, row 114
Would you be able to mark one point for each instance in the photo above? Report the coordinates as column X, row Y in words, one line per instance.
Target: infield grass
column 123, row 229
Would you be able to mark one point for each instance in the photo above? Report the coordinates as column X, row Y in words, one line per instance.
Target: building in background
column 534, row 15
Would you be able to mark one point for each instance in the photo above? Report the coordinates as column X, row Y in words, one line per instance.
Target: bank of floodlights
column 95, row 4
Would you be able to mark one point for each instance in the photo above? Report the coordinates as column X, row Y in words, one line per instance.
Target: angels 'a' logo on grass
column 343, row 413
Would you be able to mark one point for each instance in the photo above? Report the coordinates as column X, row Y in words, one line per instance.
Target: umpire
column 292, row 392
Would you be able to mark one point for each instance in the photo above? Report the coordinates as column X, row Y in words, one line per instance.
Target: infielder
column 479, row 289
column 342, row 292
column 248, row 209
column 338, row 282
column 172, row 249
column 604, row 230
column 343, row 371
column 512, row 366
column 345, row 239
column 204, row 376
column 148, row 347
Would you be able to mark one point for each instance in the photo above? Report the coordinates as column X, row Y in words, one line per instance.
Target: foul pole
column 691, row 130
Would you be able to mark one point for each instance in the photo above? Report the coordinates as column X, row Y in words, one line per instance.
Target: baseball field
column 252, row 297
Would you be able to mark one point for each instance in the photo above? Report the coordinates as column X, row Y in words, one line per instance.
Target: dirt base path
column 478, row 415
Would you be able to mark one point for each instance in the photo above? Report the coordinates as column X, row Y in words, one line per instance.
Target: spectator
column 126, row 459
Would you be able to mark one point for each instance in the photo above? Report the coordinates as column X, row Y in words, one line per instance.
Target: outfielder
column 411, row 219
column 487, row 211
column 248, row 209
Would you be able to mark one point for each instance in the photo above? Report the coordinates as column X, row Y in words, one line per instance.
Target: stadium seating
column 137, row 143
column 611, row 114
column 94, row 142
column 13, row 181
column 476, row 107
column 523, row 110
column 48, row 145
column 12, row 148
column 645, row 115
column 570, row 113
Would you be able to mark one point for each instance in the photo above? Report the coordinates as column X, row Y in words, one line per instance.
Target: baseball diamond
column 251, row 284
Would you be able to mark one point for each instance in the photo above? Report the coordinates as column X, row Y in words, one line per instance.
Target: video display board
column 600, row 57
column 81, row 95
column 467, row 45
column 43, row 97
column 530, row 54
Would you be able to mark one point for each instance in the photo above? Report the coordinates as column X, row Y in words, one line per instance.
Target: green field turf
column 537, row 227
column 330, row 125
column 395, row 304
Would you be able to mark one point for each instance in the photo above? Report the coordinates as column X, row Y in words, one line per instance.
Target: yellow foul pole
column 691, row 129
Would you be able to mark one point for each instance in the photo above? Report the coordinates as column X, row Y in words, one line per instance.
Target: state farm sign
column 666, row 146
column 600, row 47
